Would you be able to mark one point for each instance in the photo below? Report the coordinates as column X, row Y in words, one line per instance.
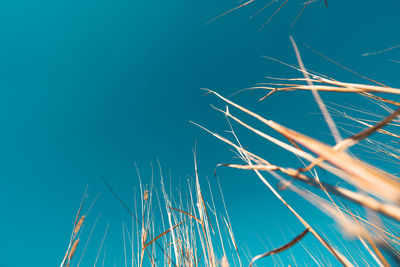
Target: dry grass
column 364, row 201
column 192, row 233
column 371, row 188
column 168, row 231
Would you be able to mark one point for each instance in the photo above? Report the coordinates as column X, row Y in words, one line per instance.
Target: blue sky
column 88, row 88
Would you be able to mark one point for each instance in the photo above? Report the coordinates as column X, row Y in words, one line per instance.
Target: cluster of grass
column 370, row 188
column 166, row 231
column 192, row 233
column 364, row 200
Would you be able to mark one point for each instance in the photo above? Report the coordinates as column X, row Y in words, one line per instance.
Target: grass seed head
column 73, row 249
column 79, row 224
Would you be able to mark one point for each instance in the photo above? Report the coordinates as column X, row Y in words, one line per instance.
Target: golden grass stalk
column 317, row 97
column 330, row 85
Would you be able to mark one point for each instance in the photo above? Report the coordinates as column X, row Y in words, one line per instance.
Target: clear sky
column 88, row 88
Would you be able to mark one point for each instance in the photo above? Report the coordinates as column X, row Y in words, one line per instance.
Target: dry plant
column 167, row 229
column 364, row 200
